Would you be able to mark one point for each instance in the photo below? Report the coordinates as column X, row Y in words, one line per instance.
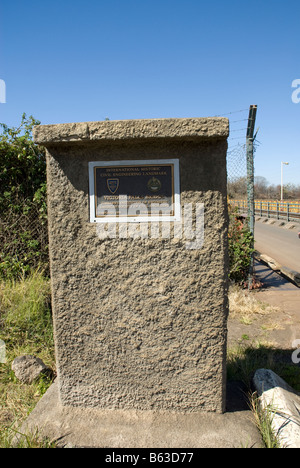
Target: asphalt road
column 281, row 244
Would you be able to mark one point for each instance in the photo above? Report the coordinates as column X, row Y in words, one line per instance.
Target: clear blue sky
column 65, row 61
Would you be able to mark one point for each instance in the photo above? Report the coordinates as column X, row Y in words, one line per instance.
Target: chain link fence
column 238, row 183
column 240, row 179
column 237, row 154
column 237, row 172
column 23, row 239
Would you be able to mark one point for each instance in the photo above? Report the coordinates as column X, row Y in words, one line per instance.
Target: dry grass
column 244, row 306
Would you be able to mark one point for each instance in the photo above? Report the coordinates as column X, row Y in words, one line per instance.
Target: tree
column 261, row 187
column 237, row 188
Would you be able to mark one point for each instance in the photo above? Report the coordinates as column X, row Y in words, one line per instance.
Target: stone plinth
column 140, row 321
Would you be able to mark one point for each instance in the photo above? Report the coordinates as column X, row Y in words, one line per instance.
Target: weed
column 26, row 328
column 263, row 417
column 25, row 314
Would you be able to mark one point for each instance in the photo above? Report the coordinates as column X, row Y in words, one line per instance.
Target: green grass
column 25, row 328
column 244, row 359
column 263, row 418
column 242, row 362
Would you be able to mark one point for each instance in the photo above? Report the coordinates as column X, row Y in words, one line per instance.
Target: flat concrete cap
column 121, row 130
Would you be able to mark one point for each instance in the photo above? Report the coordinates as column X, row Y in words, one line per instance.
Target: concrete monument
column 139, row 268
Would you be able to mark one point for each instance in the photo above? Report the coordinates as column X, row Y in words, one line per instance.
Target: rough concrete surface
column 87, row 427
column 140, row 324
column 120, row 130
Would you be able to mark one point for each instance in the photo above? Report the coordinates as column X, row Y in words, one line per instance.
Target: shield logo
column 154, row 184
column 113, row 185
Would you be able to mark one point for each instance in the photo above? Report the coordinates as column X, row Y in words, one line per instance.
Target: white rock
column 284, row 403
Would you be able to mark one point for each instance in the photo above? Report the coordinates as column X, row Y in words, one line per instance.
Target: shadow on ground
column 243, row 361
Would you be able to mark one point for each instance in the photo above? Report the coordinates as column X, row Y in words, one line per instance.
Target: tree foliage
column 237, row 189
column 22, row 163
column 23, row 209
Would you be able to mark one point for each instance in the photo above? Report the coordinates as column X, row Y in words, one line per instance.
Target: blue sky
column 72, row 61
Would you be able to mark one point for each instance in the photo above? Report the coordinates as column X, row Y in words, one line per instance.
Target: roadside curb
column 278, row 222
column 291, row 275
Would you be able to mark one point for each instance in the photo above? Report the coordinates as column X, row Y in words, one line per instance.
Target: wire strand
column 233, row 112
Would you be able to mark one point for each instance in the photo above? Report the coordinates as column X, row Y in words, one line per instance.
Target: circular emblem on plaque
column 154, row 184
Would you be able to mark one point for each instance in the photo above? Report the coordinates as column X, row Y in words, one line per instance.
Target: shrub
column 240, row 245
column 23, row 208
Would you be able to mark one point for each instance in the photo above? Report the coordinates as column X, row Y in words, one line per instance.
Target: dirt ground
column 278, row 327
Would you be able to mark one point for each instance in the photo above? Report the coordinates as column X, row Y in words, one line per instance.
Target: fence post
column 288, row 211
column 250, row 181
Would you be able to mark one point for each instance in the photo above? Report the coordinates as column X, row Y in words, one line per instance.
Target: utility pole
column 250, row 180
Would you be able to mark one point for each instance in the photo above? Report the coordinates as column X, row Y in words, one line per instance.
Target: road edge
column 291, row 275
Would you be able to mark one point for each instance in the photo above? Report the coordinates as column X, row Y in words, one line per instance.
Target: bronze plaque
column 130, row 190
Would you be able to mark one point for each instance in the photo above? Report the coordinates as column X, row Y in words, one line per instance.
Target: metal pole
column 250, row 180
column 250, row 183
